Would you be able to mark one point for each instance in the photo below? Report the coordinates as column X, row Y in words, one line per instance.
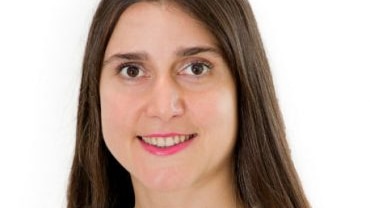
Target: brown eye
column 196, row 69
column 131, row 71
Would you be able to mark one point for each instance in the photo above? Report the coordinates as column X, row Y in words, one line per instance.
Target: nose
column 165, row 100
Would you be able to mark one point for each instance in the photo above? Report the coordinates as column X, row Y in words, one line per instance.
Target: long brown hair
column 264, row 172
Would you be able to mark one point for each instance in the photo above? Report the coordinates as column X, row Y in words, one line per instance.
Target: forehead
column 160, row 25
column 142, row 12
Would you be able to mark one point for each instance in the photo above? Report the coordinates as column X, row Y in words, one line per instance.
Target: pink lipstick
column 166, row 144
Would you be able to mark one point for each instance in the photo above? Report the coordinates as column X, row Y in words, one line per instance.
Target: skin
column 164, row 95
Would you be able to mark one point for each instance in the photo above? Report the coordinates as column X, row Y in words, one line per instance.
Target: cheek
column 113, row 110
column 111, row 118
column 118, row 120
column 119, row 108
column 216, row 112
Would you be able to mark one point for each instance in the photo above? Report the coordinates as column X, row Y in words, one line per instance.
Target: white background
column 319, row 51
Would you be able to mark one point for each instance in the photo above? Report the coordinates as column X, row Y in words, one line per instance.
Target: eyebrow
column 138, row 56
column 196, row 50
column 182, row 52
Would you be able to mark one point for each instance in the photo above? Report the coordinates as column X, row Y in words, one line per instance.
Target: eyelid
column 140, row 66
column 205, row 63
column 127, row 64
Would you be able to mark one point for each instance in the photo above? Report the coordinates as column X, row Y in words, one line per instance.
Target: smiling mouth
column 168, row 141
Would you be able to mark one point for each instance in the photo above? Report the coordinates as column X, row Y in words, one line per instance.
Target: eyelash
column 121, row 66
column 204, row 63
column 207, row 64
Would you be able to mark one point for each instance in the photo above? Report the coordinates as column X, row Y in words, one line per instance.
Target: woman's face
column 168, row 101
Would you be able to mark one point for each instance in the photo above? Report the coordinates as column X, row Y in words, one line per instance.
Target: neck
column 216, row 192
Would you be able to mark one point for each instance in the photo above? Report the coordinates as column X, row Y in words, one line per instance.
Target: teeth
column 152, row 141
column 170, row 142
column 166, row 141
column 161, row 142
column 146, row 139
column 176, row 139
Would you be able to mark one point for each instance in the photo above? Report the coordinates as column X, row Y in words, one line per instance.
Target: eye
column 196, row 69
column 131, row 71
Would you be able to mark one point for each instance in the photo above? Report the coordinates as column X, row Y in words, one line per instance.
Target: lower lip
column 165, row 151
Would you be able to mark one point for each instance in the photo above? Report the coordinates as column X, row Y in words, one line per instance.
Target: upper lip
column 164, row 135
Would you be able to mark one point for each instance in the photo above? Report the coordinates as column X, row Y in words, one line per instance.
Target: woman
column 177, row 109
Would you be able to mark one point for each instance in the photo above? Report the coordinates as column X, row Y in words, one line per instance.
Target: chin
column 165, row 180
